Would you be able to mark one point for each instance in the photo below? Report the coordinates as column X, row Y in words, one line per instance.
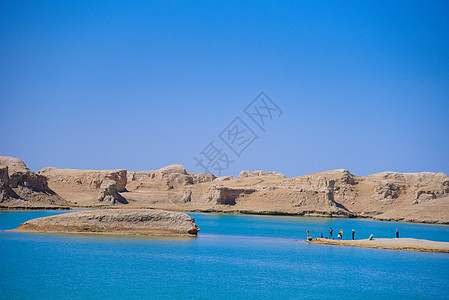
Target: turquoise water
column 237, row 257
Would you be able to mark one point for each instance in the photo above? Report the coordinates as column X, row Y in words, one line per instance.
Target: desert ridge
column 23, row 188
column 409, row 197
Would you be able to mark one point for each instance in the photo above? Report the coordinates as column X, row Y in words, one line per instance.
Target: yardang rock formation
column 20, row 187
column 415, row 197
column 117, row 221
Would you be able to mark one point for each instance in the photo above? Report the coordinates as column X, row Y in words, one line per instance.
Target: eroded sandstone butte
column 416, row 197
column 115, row 221
column 99, row 188
column 328, row 193
column 21, row 187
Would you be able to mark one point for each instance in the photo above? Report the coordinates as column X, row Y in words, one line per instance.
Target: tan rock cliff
column 20, row 187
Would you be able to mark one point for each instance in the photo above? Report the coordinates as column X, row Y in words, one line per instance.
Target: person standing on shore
column 397, row 233
column 309, row 238
column 330, row 233
column 341, row 233
column 353, row 234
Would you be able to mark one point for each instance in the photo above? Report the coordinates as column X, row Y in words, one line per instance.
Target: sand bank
column 393, row 244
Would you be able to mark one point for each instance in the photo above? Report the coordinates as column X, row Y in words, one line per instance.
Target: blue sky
column 139, row 85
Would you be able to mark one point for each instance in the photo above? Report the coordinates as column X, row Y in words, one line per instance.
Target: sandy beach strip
column 407, row 244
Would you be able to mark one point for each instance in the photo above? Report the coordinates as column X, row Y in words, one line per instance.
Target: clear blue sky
column 104, row 85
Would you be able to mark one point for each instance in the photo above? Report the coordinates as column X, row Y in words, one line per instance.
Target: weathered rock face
column 245, row 174
column 117, row 221
column 314, row 191
column 6, row 193
column 336, row 192
column 346, row 177
column 20, row 176
column 172, row 177
column 223, row 178
column 176, row 180
column 202, row 177
column 84, row 179
column 186, row 196
column 329, row 193
column 387, row 190
column 173, row 169
column 14, row 164
column 109, row 195
column 100, row 187
column 19, row 186
column 225, row 195
column 378, row 193
column 411, row 188
column 430, row 211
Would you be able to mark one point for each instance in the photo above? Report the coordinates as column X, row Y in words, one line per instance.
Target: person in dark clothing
column 330, row 233
column 397, row 233
column 353, row 234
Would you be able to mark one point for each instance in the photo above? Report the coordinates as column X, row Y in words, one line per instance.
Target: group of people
column 340, row 234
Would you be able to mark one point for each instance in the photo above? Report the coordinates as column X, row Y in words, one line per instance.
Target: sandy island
column 149, row 222
column 393, row 244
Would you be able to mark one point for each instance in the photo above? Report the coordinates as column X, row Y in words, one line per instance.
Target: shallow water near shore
column 244, row 257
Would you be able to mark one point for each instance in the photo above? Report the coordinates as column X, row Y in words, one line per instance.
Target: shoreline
column 312, row 214
column 26, row 208
column 403, row 244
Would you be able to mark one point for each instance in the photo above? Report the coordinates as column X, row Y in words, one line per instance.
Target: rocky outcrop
column 109, row 194
column 84, row 179
column 14, row 164
column 6, row 192
column 392, row 190
column 434, row 211
column 172, row 177
column 99, row 187
column 202, row 177
column 173, row 169
column 21, row 187
column 223, row 178
column 328, row 193
column 116, row 221
column 186, row 196
column 387, row 190
column 245, row 174
column 332, row 193
column 225, row 195
column 378, row 193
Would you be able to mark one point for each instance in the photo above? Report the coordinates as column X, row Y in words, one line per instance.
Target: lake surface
column 237, row 257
